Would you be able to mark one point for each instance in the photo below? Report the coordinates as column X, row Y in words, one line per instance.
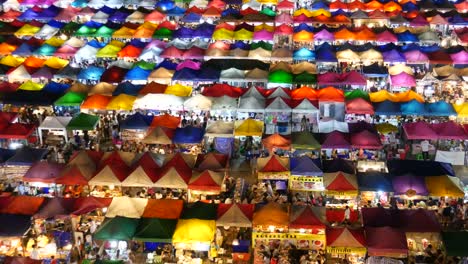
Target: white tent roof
column 110, row 3
column 199, row 3
column 198, row 102
column 278, row 105
column 333, row 125
column 232, row 73
column 159, row 102
column 105, row 177
column 55, row 122
column 251, row 104
column 122, row 64
column 305, row 107
column 254, row 4
column 86, row 52
column 150, row 54
column 11, row 4
column 126, row 207
column 279, row 92
column 75, row 42
column 220, row 129
column 20, row 74
column 46, row 32
column 171, row 179
column 136, row 17
column 147, row 3
column 234, row 217
column 100, row 17
column 224, row 103
column 138, row 178
column 253, row 92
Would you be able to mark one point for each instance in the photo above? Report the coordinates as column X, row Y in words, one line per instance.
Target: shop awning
column 126, row 207
column 117, row 228
column 163, row 209
column 194, row 231
column 155, row 230
column 444, row 185
column 238, row 215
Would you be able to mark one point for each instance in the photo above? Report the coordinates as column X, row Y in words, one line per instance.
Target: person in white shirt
column 347, row 215
column 425, row 149
column 34, row 253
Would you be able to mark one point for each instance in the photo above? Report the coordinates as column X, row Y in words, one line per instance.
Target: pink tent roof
column 194, row 53
column 67, row 14
column 324, row 35
column 284, row 30
column 188, row 64
column 65, row 51
column 218, row 4
column 366, row 140
column 263, row 35
column 419, row 21
column 285, row 5
column 172, row 52
column 449, row 130
column 354, row 78
column 403, row 79
column 419, row 130
column 386, row 36
column 284, row 18
column 415, row 56
column 460, row 57
column 336, row 140
column 438, row 20
column 155, row 16
column 359, row 106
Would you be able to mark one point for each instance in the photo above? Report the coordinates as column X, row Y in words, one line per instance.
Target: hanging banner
column 300, row 240
column 279, row 175
column 347, row 251
column 342, row 194
column 304, row 183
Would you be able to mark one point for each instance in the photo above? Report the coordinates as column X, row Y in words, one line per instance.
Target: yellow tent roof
column 121, row 102
column 320, row 12
column 265, row 27
column 272, row 214
column 444, row 186
column 381, row 96
column 399, row 68
column 179, row 90
column 31, row 86
column 408, row 96
column 55, row 41
column 12, row 61
column 243, row 34
column 56, row 63
column 249, row 127
column 27, row 30
column 302, row 11
column 194, row 231
column 124, row 32
column 109, row 51
column 223, row 34
column 461, row 109
column 347, row 55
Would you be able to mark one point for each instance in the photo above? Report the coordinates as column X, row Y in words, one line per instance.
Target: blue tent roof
column 138, row 43
column 303, row 54
column 185, row 74
column 5, row 154
column 387, row 108
column 413, row 107
column 45, row 50
column 188, row 135
column 28, row 15
column 191, row 18
column 230, row 11
column 409, row 47
column 208, row 74
column 441, row 108
column 458, row 20
column 419, row 168
column 137, row 74
column 407, row 37
column 93, row 24
column 305, row 166
column 339, row 12
column 393, row 56
column 429, row 49
column 375, row 70
column 107, row 10
column 303, row 26
column 127, row 88
column 167, row 64
column 325, row 53
column 409, row 6
column 79, row 3
column 176, row 11
column 26, row 156
column 118, row 16
column 53, row 87
column 14, row 225
column 92, row 73
column 136, row 121
column 319, row 5
column 97, row 44
column 165, row 5
column 23, row 50
column 375, row 181
column 240, row 45
column 56, row 24
column 183, row 32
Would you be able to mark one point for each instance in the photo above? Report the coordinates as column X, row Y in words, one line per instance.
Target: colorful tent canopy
column 83, row 121
column 117, row 228
column 194, row 231
column 271, row 214
column 163, row 209
column 155, row 230
column 444, row 186
column 305, row 217
column 43, row 171
column 345, row 237
column 239, row 215
column 305, row 166
column 394, row 244
column 126, row 207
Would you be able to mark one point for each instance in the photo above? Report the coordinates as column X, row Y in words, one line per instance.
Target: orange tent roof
column 304, row 92
column 272, row 214
column 129, row 51
column 153, row 88
column 226, row 26
column 341, row 19
column 374, row 5
column 143, row 32
column 33, row 62
column 365, row 34
column 356, row 5
column 6, row 49
column 303, row 35
column 212, row 12
column 331, row 94
column 96, row 101
column 23, row 205
column 321, row 18
column 391, row 7
column 276, row 141
column 345, row 34
column 166, row 120
column 163, row 208
column 408, row 96
column 338, row 5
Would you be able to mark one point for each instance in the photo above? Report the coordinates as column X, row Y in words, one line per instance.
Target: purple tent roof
column 44, row 72
column 460, row 57
column 415, row 56
column 324, row 35
column 304, row 166
column 263, row 35
column 403, row 79
column 366, row 140
column 409, row 183
column 419, row 21
column 188, row 64
column 393, row 56
column 419, row 130
column 419, row 220
column 386, row 36
column 336, row 140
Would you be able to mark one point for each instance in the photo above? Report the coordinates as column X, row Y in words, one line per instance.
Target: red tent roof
column 273, row 165
column 345, row 237
column 72, row 176
column 17, row 131
column 24, row 205
column 219, row 90
column 113, row 159
column 166, row 120
column 247, row 209
column 43, row 171
column 340, row 183
column 359, row 106
column 206, row 181
column 84, row 205
column 20, row 260
column 306, row 219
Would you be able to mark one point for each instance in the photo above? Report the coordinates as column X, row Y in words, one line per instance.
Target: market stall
column 274, row 168
column 205, row 183
column 56, row 127
column 305, row 175
column 346, row 243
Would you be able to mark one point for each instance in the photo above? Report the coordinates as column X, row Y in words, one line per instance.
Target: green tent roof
column 305, row 78
column 200, row 210
column 70, row 99
column 85, row 31
column 455, row 243
column 83, row 122
column 155, row 230
column 268, row 11
column 280, row 76
column 70, row 27
column 304, row 140
column 144, row 65
column 104, row 32
column 261, row 44
column 118, row 228
column 162, row 33
column 358, row 93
